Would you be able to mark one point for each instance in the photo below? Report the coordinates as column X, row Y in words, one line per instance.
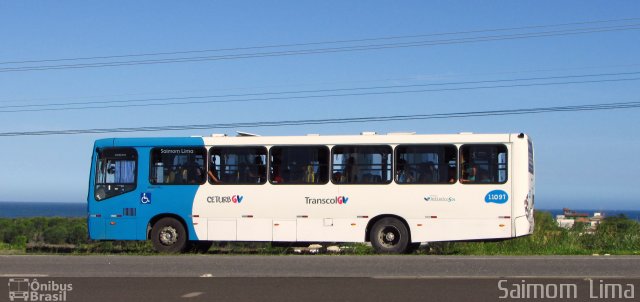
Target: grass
column 615, row 236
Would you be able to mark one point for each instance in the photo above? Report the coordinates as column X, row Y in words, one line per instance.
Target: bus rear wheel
column 168, row 236
column 389, row 236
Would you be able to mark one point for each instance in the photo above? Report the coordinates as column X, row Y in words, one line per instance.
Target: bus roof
column 365, row 138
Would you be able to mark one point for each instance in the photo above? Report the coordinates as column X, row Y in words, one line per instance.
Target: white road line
column 192, row 295
column 22, row 275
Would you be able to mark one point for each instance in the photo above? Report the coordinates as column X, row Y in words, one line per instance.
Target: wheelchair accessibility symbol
column 145, row 198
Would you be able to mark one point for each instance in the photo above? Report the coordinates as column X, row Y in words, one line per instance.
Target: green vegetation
column 615, row 235
column 16, row 234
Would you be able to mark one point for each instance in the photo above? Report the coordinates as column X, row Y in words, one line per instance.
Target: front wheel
column 389, row 236
column 168, row 236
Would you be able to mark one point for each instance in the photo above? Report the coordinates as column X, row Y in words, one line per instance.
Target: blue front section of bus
column 127, row 216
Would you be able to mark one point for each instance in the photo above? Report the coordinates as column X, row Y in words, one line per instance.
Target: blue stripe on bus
column 166, row 199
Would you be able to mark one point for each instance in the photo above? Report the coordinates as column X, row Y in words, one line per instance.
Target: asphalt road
column 325, row 289
column 408, row 266
column 314, row 278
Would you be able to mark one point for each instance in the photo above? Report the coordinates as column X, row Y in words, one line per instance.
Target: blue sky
column 584, row 160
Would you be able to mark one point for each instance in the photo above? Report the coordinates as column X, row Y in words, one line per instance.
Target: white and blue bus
column 395, row 190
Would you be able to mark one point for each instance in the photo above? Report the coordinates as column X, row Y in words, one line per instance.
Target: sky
column 586, row 159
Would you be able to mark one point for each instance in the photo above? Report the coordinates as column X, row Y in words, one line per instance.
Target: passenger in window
column 351, row 170
column 180, row 175
column 469, row 173
column 309, row 176
column 484, row 176
column 337, row 177
column 193, row 172
column 276, row 176
column 171, row 177
column 403, row 175
column 213, row 171
column 452, row 175
column 258, row 171
column 426, row 172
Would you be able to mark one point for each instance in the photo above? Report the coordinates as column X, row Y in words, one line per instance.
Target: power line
column 323, row 95
column 345, row 120
column 323, row 50
column 319, row 43
column 413, row 78
column 315, row 91
column 327, row 50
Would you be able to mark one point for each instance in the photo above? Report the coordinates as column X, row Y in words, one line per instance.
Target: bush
column 616, row 233
column 56, row 235
column 78, row 234
column 20, row 241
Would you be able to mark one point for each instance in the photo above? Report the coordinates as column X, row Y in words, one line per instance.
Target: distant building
column 568, row 219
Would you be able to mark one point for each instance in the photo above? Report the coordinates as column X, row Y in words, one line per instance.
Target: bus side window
column 177, row 166
column 361, row 164
column 425, row 164
column 299, row 165
column 483, row 164
column 238, row 165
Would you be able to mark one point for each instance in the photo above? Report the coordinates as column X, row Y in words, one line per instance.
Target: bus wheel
column 168, row 236
column 389, row 236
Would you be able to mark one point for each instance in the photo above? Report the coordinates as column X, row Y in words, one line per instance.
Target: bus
column 394, row 190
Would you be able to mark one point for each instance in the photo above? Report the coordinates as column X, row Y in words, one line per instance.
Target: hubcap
column 389, row 236
column 168, row 235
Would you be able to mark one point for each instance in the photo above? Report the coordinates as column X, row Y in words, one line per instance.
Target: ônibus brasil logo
column 225, row 199
column 332, row 200
column 24, row 289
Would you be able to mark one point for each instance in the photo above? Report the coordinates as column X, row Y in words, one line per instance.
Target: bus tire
column 168, row 236
column 389, row 236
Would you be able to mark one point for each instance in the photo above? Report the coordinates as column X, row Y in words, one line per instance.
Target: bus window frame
column 395, row 156
column 222, row 183
column 477, row 182
column 206, row 175
column 391, row 168
column 270, row 180
column 136, row 158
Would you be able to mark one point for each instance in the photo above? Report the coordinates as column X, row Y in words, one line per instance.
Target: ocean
column 607, row 213
column 12, row 209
